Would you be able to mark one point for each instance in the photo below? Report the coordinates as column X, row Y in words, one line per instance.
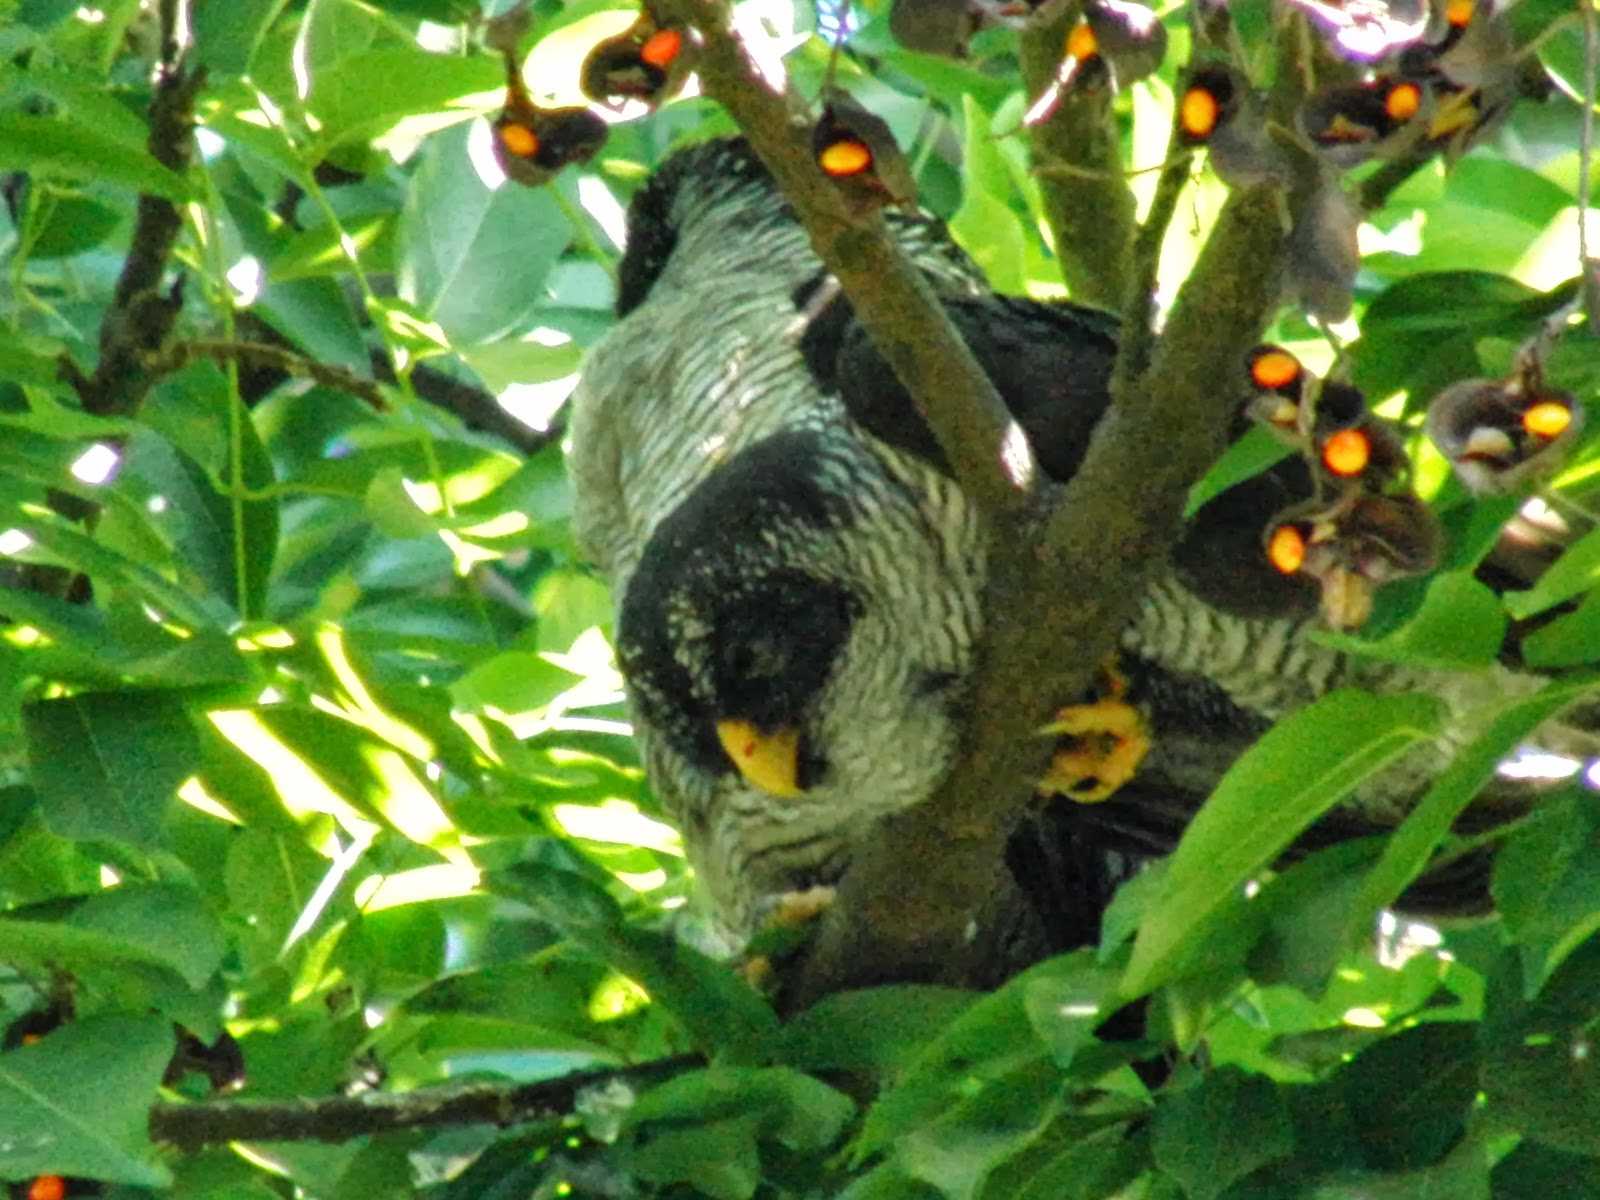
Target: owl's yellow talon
column 1102, row 744
column 795, row 909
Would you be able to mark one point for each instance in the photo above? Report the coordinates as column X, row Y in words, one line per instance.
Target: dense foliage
column 315, row 779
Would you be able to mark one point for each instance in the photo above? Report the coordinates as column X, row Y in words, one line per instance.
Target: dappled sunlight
column 408, row 804
column 440, row 881
column 617, row 821
column 360, row 707
column 302, row 791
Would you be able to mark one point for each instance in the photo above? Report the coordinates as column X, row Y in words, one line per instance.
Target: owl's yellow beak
column 770, row 761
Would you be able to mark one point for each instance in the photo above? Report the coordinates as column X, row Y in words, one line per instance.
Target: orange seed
column 661, row 47
column 1347, row 452
column 1198, row 112
column 1286, row 549
column 844, row 158
column 519, row 140
column 1081, row 42
column 1402, row 101
column 1274, row 368
column 1547, row 419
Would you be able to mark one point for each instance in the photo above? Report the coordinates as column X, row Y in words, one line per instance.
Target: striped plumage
column 770, row 556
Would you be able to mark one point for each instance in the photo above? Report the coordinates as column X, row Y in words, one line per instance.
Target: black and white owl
column 798, row 578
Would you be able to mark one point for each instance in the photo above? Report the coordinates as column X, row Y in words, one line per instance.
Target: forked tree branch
column 1063, row 577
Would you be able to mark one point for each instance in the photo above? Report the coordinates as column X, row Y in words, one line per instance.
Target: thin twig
column 891, row 298
column 189, row 1127
column 1591, row 270
column 1077, row 154
column 275, row 358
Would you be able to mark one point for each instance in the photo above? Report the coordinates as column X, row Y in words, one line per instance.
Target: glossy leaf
column 1299, row 769
column 107, row 765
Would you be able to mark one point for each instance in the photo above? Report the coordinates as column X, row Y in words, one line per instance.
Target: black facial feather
column 713, row 625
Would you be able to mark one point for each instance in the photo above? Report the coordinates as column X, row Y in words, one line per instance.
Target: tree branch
column 1088, row 204
column 275, row 358
column 891, row 299
column 1060, row 586
column 188, row 1127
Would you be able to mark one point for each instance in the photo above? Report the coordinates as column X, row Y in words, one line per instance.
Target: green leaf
column 226, row 36
column 171, row 922
column 1570, row 640
column 875, row 1029
column 718, row 1008
column 1460, row 625
column 1291, row 776
column 989, row 1039
column 469, row 258
column 77, row 1102
column 1407, row 851
column 1535, row 1172
column 85, row 647
column 1307, row 916
column 207, row 613
column 63, row 145
column 957, row 1152
column 1218, row 1131
column 985, row 225
column 1252, row 454
column 790, row 1108
column 1540, row 1073
column 107, row 764
column 1090, row 1168
column 1420, row 334
column 1428, row 1078
column 356, row 97
column 717, row 1159
column 1065, row 1009
column 201, row 521
column 71, row 224
column 1577, row 570
column 1546, row 883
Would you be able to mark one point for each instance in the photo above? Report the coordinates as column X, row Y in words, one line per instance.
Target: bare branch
column 891, row 298
column 341, row 1118
column 259, row 354
column 1089, row 205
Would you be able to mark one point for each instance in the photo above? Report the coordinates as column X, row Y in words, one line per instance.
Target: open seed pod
column 1352, row 548
column 1114, row 43
column 1500, row 435
column 1217, row 109
column 1295, row 404
column 645, row 62
column 1349, row 123
column 1129, row 37
column 531, row 143
column 856, row 149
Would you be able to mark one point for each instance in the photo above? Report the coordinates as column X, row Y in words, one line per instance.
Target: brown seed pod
column 1129, row 37
column 646, row 62
column 1368, row 30
column 1503, row 434
column 532, row 144
column 855, row 148
column 1322, row 253
column 1352, row 122
column 1353, row 547
column 933, row 26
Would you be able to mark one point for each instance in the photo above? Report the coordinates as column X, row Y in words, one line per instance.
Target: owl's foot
column 785, row 929
column 794, row 910
column 1102, row 742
